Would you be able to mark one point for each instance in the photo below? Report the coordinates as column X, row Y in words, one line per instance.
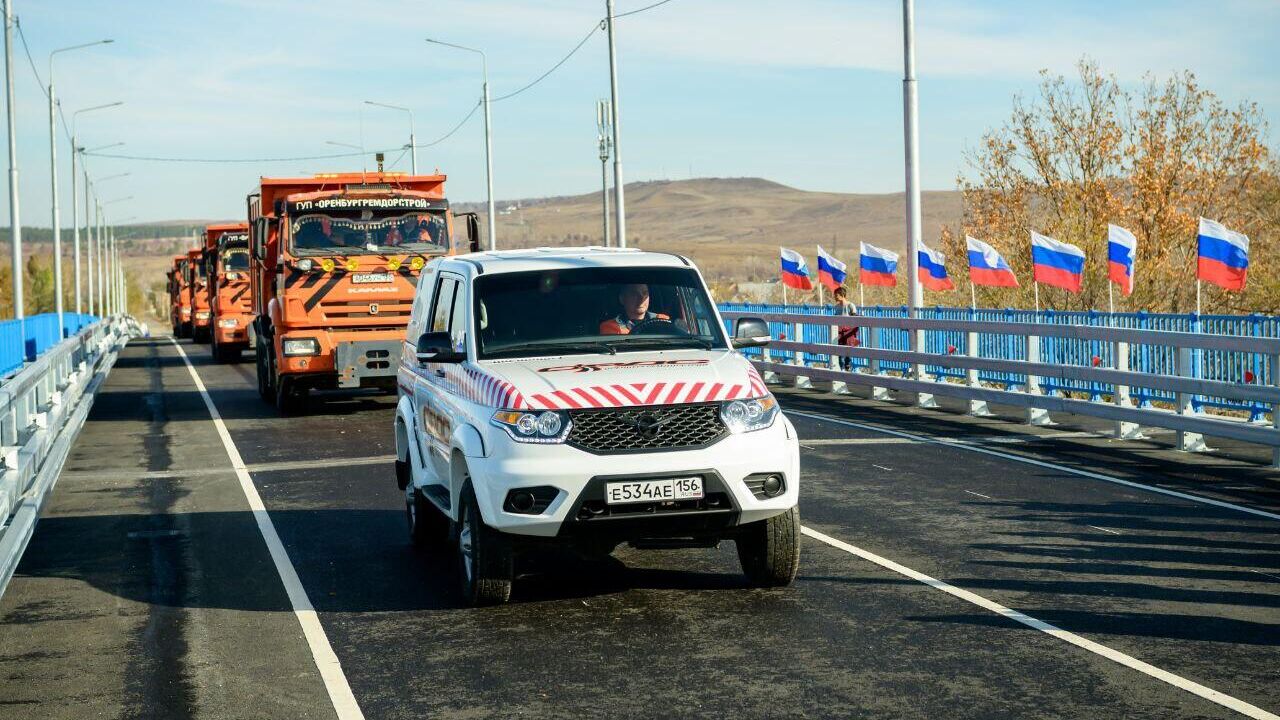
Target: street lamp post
column 602, row 137
column 915, row 294
column 413, row 143
column 100, row 234
column 15, row 225
column 619, row 206
column 76, row 150
column 112, row 269
column 53, row 182
column 488, row 136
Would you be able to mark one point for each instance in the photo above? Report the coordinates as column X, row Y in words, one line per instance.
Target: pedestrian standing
column 848, row 335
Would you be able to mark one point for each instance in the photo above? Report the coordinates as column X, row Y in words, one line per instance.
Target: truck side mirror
column 473, row 230
column 437, row 347
column 751, row 332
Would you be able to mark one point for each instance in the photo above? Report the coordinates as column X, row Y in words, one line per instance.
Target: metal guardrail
column 22, row 341
column 1035, row 379
column 1223, row 365
column 42, row 408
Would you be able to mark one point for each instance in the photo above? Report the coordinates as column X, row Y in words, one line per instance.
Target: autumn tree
column 1087, row 152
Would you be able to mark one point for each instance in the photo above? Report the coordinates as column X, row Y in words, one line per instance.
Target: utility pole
column 15, row 225
column 602, row 137
column 619, row 202
column 88, row 243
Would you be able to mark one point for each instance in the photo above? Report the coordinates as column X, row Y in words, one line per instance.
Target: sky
column 803, row 92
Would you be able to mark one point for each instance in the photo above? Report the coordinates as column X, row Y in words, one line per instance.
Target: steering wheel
column 656, row 326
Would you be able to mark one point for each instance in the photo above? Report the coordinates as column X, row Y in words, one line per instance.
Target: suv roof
column 561, row 258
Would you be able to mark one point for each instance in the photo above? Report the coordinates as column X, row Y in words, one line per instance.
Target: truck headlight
column 294, row 347
column 545, row 427
column 202, row 314
column 227, row 323
column 305, row 264
column 746, row 415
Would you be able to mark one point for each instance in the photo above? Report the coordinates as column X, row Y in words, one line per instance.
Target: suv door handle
column 439, row 372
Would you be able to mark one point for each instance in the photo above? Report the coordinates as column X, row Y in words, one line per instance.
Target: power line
column 555, row 67
column 640, row 10
column 22, row 36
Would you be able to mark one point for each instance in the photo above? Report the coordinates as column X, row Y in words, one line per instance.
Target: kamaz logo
column 373, row 308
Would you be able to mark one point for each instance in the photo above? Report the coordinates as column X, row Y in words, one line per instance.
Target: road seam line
column 1099, row 649
column 1040, row 463
column 326, row 660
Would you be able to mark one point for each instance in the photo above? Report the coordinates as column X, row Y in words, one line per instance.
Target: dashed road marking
column 945, row 442
column 1105, row 530
column 335, row 681
column 988, row 497
column 886, row 469
column 1099, row 649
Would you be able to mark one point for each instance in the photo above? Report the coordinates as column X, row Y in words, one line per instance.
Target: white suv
column 587, row 396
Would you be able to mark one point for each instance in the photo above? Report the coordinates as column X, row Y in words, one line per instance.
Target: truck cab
column 198, row 295
column 180, row 296
column 226, row 260
column 334, row 263
column 587, row 397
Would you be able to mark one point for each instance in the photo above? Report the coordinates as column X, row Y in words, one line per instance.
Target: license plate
column 646, row 491
column 371, row 278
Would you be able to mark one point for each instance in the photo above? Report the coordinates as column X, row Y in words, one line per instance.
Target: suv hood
column 623, row 380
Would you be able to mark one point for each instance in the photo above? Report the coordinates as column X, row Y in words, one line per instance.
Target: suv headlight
column 293, row 347
column 746, row 415
column 544, row 427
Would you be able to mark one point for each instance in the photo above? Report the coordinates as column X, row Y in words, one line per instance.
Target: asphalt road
column 149, row 590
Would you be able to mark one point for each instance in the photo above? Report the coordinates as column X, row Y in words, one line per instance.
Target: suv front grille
column 641, row 429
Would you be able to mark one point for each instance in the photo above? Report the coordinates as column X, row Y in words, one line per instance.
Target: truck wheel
column 769, row 550
column 264, row 390
column 290, row 396
column 427, row 525
column 485, row 566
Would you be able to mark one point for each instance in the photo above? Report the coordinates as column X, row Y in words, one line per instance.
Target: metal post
column 75, row 222
column 15, row 225
column 977, row 408
column 1035, row 415
column 488, row 160
column 911, row 121
column 57, row 225
column 88, row 241
column 618, row 201
column 1275, row 408
column 102, row 260
column 797, row 358
column 602, row 138
column 1124, row 430
column 838, row 387
column 1187, row 441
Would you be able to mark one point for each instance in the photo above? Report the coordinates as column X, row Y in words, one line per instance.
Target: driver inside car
column 635, row 309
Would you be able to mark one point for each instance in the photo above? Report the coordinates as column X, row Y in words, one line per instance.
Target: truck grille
column 640, row 429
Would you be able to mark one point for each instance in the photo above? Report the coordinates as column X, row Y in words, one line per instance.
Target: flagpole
column 973, row 296
column 1197, row 298
column 1111, row 302
column 1036, row 283
column 784, row 293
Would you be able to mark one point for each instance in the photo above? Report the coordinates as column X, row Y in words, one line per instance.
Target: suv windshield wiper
column 668, row 341
column 553, row 346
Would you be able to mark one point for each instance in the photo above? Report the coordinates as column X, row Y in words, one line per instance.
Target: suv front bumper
column 579, row 477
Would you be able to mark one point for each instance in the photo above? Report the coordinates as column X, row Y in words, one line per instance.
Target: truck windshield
column 593, row 310
column 343, row 232
column 235, row 260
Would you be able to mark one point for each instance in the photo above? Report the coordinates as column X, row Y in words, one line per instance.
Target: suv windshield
column 235, row 260
column 593, row 310
column 345, row 232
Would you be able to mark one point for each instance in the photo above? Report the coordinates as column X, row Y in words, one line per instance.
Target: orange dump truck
column 226, row 262
column 201, row 316
column 180, row 296
column 334, row 263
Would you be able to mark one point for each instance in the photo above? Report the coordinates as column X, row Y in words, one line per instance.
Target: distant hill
column 731, row 227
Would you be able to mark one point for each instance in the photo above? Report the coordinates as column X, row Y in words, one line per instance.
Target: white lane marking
column 882, row 467
column 1095, row 527
column 978, row 494
column 1040, row 463
column 335, row 681
column 1273, row 577
column 858, row 441
column 252, row 468
column 1116, row 656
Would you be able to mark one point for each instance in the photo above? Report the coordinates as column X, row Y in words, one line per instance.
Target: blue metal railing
column 1235, row 367
column 22, row 341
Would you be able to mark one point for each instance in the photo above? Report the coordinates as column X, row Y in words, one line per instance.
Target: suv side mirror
column 437, row 347
column 751, row 332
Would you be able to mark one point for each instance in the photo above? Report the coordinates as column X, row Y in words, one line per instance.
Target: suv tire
column 769, row 550
column 485, row 565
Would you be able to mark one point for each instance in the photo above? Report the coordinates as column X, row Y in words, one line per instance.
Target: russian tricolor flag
column 1057, row 263
column 1223, row 256
column 1122, row 248
column 987, row 267
column 877, row 266
column 794, row 272
column 831, row 272
column 932, row 270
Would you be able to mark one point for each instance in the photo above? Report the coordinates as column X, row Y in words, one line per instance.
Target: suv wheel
column 485, row 566
column 769, row 550
column 427, row 525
